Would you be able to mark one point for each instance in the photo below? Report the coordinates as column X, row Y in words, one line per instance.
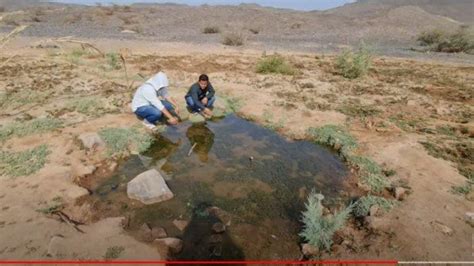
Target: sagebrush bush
column 363, row 205
column 354, row 64
column 438, row 41
column 122, row 140
column 233, row 39
column 23, row 163
column 211, row 30
column 275, row 64
column 318, row 230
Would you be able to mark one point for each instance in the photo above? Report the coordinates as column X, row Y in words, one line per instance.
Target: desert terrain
column 73, row 71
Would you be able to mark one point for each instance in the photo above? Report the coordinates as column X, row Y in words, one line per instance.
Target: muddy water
column 240, row 174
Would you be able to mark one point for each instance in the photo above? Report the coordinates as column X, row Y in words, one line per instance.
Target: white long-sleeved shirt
column 148, row 93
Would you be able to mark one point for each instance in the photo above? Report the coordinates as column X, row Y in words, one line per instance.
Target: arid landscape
column 402, row 127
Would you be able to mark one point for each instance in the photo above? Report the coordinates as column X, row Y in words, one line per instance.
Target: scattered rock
column 399, row 193
column 149, row 187
column 218, row 228
column 375, row 223
column 91, row 141
column 113, row 166
column 144, row 233
column 309, row 250
column 129, row 31
column 442, row 228
column 196, row 118
column 55, row 247
column 215, row 238
column 180, row 224
column 469, row 218
column 174, row 245
column 220, row 214
column 470, row 196
column 374, row 210
column 158, row 232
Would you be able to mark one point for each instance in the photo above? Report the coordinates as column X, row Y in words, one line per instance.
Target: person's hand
column 172, row 121
column 176, row 109
column 207, row 112
column 204, row 101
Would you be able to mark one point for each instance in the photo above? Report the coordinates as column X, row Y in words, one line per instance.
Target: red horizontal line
column 391, row 262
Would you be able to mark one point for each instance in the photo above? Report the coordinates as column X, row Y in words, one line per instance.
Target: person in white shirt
column 147, row 104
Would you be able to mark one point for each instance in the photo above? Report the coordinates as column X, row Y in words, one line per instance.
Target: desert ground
column 411, row 114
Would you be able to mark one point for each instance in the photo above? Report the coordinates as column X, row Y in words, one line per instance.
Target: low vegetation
column 353, row 65
column 113, row 252
column 439, row 41
column 35, row 126
column 23, row 163
column 113, row 61
column 371, row 174
column 275, row 64
column 211, row 30
column 233, row 39
column 335, row 137
column 55, row 206
column 122, row 140
column 16, row 99
column 318, row 230
column 91, row 106
column 363, row 205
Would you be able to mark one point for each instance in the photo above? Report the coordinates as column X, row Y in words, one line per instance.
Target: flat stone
column 145, row 233
column 91, row 141
column 149, row 187
column 55, row 246
column 399, row 193
column 469, row 218
column 218, row 228
column 180, row 224
column 442, row 228
column 175, row 245
column 196, row 118
column 158, row 232
column 309, row 250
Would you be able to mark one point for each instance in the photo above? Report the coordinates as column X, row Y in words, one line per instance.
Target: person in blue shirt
column 201, row 97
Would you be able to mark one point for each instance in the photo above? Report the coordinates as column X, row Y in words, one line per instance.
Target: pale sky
column 294, row 4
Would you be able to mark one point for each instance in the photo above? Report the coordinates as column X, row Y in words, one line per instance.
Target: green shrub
column 275, row 64
column 211, row 30
column 334, row 136
column 113, row 61
column 353, row 65
column 35, row 126
column 88, row 106
column 318, row 230
column 233, row 39
column 23, row 163
column 362, row 205
column 429, row 38
column 122, row 140
column 460, row 41
column 371, row 174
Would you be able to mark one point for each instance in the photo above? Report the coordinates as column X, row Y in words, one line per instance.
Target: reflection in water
column 203, row 137
column 262, row 198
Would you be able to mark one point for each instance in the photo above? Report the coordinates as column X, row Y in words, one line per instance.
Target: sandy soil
column 423, row 94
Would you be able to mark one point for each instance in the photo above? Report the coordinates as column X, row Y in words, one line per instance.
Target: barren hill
column 386, row 24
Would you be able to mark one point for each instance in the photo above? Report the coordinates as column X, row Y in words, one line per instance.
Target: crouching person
column 201, row 97
column 146, row 103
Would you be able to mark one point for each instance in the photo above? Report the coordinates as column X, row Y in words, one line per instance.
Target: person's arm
column 174, row 103
column 150, row 95
column 195, row 97
column 211, row 91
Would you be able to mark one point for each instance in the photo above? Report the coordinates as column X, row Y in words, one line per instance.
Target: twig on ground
column 191, row 150
column 82, row 43
column 11, row 35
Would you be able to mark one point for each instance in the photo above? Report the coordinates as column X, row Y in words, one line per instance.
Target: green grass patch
column 275, row 64
column 22, row 97
column 35, row 126
column 23, row 163
column 75, row 56
column 358, row 110
column 363, row 205
column 462, row 190
column 113, row 61
column 371, row 174
column 122, row 140
column 334, row 136
column 91, row 106
column 318, row 230
column 353, row 65
column 55, row 206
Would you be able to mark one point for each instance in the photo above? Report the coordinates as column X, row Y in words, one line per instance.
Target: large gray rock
column 91, row 141
column 149, row 187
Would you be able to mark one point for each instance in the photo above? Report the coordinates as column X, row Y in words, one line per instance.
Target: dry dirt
column 399, row 104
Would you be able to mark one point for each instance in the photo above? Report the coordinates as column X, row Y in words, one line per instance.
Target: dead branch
column 192, row 148
column 82, row 43
column 12, row 35
column 63, row 217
